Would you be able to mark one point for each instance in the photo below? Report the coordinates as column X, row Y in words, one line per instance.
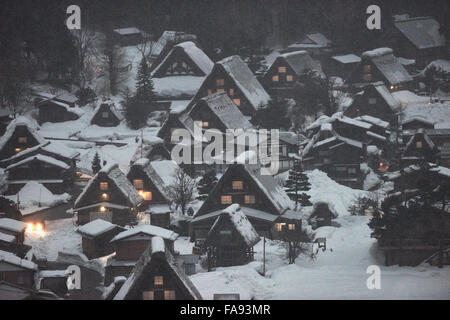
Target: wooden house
column 153, row 150
column 380, row 65
column 419, row 148
column 13, row 228
column 9, row 209
column 231, row 239
column 424, row 116
column 184, row 59
column 440, row 136
column 9, row 291
column 233, row 76
column 340, row 157
column 375, row 100
column 128, row 36
column 106, row 115
column 157, row 276
column 96, row 236
column 55, row 175
column 418, row 38
column 129, row 245
column 316, row 43
column 17, row 271
column 20, row 134
column 108, row 196
column 322, row 215
column 149, row 184
column 260, row 198
column 341, row 65
column 48, row 92
column 51, row 110
column 282, row 77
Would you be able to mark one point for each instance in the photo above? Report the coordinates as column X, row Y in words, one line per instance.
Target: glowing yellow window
column 205, row 124
column 231, row 92
column 291, row 226
column 147, row 195
column 279, row 226
column 237, row 102
column 169, row 294
column 220, row 82
column 159, row 281
column 237, row 185
column 148, row 295
column 249, row 199
column 275, row 78
column 102, row 209
column 22, row 139
column 289, row 78
column 17, row 150
column 138, row 184
column 105, row 196
column 281, row 69
column 103, row 186
column 226, row 199
column 419, row 144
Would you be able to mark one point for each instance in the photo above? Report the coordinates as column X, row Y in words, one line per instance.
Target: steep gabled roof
column 386, row 95
column 388, row 65
column 21, row 121
column 198, row 57
column 119, row 179
column 96, row 227
column 419, row 135
column 317, row 38
column 239, row 220
column 422, row 32
column 156, row 253
column 227, row 112
column 148, row 230
column 145, row 166
column 110, row 105
column 300, row 61
column 40, row 158
column 11, row 258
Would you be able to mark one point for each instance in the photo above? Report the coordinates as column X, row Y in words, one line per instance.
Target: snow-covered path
column 339, row 273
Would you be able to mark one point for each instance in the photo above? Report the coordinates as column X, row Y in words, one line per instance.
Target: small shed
column 322, row 215
column 13, row 228
column 17, row 271
column 231, row 239
column 130, row 36
column 106, row 115
column 54, row 111
column 96, row 236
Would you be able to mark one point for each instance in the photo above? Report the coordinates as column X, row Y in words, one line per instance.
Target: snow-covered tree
column 296, row 183
column 96, row 166
column 206, row 184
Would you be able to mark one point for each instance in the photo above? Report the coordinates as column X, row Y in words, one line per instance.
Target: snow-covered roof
column 127, row 31
column 240, row 222
column 7, row 237
column 422, row 32
column 11, row 258
column 373, row 120
column 41, row 158
column 148, row 230
column 96, row 228
column 12, row 225
column 145, row 165
column 347, row 58
column 166, row 170
column 50, row 147
column 381, row 88
column 431, row 113
column 53, row 273
column 300, row 61
column 419, row 133
column 110, row 105
column 227, row 112
column 318, row 38
column 245, row 80
column 21, row 121
column 249, row 212
column 138, row 274
column 119, row 179
column 201, row 60
column 168, row 38
column 388, row 65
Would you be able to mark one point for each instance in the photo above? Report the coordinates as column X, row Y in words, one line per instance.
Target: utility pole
column 142, row 142
column 264, row 257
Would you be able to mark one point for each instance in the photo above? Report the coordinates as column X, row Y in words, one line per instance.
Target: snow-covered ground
column 338, row 273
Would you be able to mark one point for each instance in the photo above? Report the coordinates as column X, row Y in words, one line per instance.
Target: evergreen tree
column 206, row 184
column 96, row 167
column 297, row 182
column 273, row 116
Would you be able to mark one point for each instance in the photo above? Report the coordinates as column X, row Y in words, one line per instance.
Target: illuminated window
column 291, row 226
column 372, row 100
column 148, row 295
column 237, row 102
column 22, row 139
column 249, row 199
column 105, row 115
column 419, row 144
column 220, row 82
column 231, row 92
column 226, row 200
column 105, row 196
column 103, row 186
column 279, row 226
column 102, row 209
column 282, row 69
column 17, row 150
column 169, row 294
column 147, row 195
column 159, row 281
column 275, row 78
column 237, row 185
column 205, row 124
column 289, row 78
column 138, row 184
